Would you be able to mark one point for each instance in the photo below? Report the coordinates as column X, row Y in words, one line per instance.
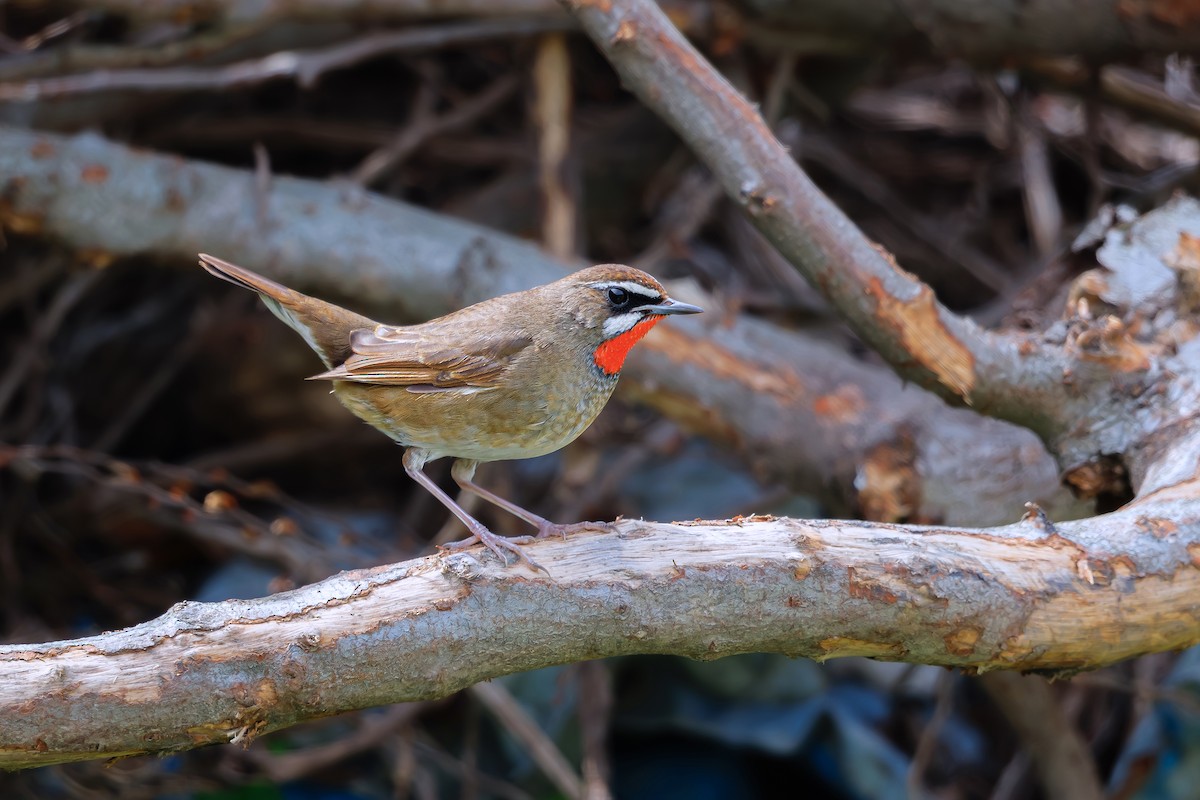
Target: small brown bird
column 516, row 376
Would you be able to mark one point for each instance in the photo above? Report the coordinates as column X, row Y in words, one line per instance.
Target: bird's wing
column 427, row 359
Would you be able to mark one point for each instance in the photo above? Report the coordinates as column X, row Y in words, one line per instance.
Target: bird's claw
column 497, row 544
column 512, row 544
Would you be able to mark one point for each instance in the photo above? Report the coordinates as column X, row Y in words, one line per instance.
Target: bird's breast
column 531, row 412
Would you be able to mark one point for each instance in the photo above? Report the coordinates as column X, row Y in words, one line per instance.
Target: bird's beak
column 670, row 306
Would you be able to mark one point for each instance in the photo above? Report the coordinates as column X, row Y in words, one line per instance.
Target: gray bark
column 1027, row 596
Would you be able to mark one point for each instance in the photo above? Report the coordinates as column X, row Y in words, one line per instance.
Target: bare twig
column 781, row 84
column 23, row 282
column 595, row 710
column 262, row 186
column 1012, row 778
column 927, row 743
column 252, row 455
column 55, row 29
column 399, row 147
column 304, row 66
column 683, row 213
column 541, row 748
column 67, row 297
column 224, row 12
column 154, row 385
column 216, row 517
column 370, row 733
column 1123, row 87
column 424, row 125
column 1059, row 754
column 81, row 57
column 579, row 496
column 467, row 773
column 930, row 234
column 1043, row 212
column 552, row 117
column 1146, row 692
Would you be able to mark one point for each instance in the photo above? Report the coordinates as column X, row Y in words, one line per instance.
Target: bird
column 515, row 376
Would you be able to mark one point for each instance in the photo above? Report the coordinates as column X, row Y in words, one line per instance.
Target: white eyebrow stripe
column 630, row 286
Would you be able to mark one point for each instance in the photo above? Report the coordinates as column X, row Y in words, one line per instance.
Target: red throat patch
column 610, row 356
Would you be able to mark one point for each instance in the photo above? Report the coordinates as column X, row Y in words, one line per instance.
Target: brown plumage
column 516, row 376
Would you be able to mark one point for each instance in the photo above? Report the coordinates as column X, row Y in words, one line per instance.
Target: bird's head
column 616, row 306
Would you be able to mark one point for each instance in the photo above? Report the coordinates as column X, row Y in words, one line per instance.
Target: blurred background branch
column 806, row 414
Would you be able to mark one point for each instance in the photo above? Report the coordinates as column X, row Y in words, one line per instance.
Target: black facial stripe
column 625, row 296
column 644, row 292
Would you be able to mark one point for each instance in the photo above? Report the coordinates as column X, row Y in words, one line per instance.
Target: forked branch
column 1008, row 377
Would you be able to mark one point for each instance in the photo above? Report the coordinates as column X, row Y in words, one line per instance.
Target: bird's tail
column 325, row 327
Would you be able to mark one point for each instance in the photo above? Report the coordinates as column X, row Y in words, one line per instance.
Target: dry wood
column 1027, row 596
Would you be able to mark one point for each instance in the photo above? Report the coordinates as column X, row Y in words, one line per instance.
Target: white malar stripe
column 615, row 326
column 630, row 286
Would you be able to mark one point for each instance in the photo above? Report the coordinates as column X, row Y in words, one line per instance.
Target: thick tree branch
column 1098, row 30
column 1026, row 596
column 1017, row 378
column 1104, row 383
column 798, row 410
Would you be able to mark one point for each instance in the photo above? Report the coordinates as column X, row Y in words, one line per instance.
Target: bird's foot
column 498, row 545
column 563, row 529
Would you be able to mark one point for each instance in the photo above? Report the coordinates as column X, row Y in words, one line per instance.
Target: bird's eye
column 618, row 297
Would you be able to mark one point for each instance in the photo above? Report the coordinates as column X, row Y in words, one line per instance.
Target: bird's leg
column 414, row 459
column 463, row 473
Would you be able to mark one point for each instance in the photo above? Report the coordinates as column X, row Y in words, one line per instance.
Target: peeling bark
column 1028, row 596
